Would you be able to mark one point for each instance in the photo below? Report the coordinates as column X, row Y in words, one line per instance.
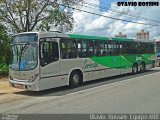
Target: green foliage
column 4, row 68
column 28, row 15
column 4, row 49
column 61, row 20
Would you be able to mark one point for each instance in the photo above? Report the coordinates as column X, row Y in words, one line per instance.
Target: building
column 121, row 35
column 142, row 35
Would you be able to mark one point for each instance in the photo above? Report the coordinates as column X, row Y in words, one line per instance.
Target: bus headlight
column 33, row 78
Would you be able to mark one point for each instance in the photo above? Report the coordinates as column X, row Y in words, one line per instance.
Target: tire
column 134, row 69
column 143, row 67
column 75, row 79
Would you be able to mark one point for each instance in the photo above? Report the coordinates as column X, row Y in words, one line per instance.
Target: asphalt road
column 121, row 94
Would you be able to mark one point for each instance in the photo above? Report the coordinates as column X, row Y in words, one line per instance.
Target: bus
column 44, row 60
column 158, row 52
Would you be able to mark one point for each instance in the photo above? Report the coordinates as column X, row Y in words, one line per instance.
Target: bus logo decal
column 89, row 65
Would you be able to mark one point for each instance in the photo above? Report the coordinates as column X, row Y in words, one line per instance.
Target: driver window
column 48, row 52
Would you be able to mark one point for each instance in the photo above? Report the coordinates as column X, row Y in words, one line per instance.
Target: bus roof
column 25, row 33
column 80, row 36
column 89, row 37
column 46, row 34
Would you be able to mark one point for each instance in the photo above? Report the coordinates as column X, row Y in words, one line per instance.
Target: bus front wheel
column 74, row 79
column 134, row 68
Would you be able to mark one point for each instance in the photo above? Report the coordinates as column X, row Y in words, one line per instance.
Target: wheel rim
column 76, row 79
column 134, row 69
column 142, row 67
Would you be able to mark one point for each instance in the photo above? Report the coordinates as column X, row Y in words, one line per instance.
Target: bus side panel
column 107, row 66
column 149, row 60
column 52, row 82
column 127, row 62
column 84, row 64
column 50, row 76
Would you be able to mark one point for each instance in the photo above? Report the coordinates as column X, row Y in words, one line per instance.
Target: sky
column 92, row 24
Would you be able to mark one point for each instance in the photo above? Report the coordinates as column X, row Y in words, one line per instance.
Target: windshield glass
column 24, row 56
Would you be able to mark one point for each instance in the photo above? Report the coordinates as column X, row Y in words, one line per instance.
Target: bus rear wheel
column 134, row 68
column 74, row 79
column 143, row 67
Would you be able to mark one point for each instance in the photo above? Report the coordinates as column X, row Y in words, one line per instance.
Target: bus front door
column 49, row 64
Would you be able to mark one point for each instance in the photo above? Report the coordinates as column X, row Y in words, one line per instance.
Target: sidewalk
column 5, row 88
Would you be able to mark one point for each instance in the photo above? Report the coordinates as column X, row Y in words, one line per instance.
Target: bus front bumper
column 24, row 84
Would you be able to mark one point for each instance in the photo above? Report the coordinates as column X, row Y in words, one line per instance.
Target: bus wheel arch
column 75, row 78
column 135, row 68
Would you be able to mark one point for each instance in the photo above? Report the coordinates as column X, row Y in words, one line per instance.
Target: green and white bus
column 43, row 60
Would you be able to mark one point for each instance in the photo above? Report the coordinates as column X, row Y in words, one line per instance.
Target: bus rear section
column 158, row 53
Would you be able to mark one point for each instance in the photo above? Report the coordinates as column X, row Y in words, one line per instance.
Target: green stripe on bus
column 77, row 36
column 123, row 62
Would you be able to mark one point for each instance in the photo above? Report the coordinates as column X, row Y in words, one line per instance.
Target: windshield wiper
column 23, row 48
column 20, row 55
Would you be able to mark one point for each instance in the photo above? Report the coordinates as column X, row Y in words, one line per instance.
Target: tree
column 28, row 15
column 4, row 44
column 4, row 49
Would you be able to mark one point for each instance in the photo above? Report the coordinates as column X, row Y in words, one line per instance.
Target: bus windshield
column 24, row 56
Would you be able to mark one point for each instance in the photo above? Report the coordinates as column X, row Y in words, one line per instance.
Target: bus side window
column 105, row 52
column 99, row 48
column 86, row 49
column 63, row 50
column 143, row 48
column 125, row 47
column 68, row 49
column 48, row 52
column 151, row 48
column 133, row 48
column 113, row 48
column 81, row 50
column 90, row 49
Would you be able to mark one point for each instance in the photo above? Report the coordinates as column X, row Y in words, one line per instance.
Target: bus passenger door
column 49, row 63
